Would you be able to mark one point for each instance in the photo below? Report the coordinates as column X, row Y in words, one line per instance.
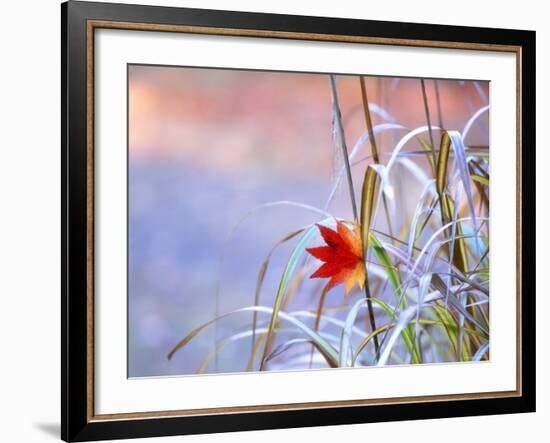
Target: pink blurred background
column 205, row 147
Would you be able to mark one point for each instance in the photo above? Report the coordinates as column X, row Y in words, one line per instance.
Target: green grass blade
column 287, row 275
column 261, row 277
column 428, row 148
column 321, row 342
column 480, row 179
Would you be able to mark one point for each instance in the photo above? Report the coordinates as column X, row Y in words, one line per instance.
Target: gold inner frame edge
column 90, row 382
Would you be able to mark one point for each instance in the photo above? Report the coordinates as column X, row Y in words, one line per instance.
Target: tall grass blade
column 281, row 349
column 337, row 118
column 223, row 343
column 396, row 152
column 381, row 329
column 264, row 310
column 458, row 147
column 378, row 129
column 374, row 148
column 481, row 351
column 428, row 119
column 442, row 164
column 480, row 179
column 427, row 147
column 367, row 205
column 261, row 277
column 423, row 287
column 345, row 338
column 472, row 120
column 393, row 277
column 329, row 320
column 319, row 313
column 367, row 210
column 287, row 275
column 403, row 321
column 438, row 103
column 446, row 204
column 368, row 120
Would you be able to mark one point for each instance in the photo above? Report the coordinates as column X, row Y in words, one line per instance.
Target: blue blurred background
column 207, row 146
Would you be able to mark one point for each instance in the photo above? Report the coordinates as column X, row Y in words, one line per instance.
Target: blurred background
column 206, row 147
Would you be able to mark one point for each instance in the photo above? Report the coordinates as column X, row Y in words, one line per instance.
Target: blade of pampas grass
column 261, row 277
column 287, row 274
column 327, row 348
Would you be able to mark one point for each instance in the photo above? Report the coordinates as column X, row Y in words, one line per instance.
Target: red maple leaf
column 342, row 257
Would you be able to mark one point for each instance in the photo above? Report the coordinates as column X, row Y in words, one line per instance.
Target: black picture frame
column 76, row 422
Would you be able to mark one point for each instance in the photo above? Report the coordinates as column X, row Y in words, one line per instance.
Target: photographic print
column 294, row 221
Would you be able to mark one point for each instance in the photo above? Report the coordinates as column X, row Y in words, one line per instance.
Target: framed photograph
column 275, row 221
